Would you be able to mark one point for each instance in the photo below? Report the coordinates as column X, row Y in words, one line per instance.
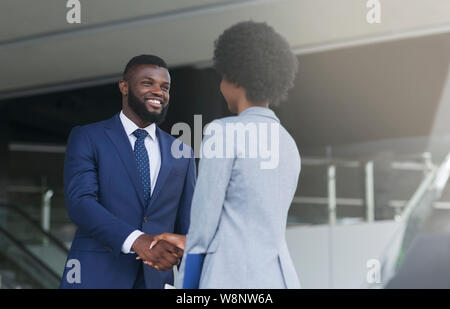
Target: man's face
column 148, row 92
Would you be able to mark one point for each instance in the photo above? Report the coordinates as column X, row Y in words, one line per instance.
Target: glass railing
column 377, row 196
column 341, row 190
column 28, row 249
column 21, row 268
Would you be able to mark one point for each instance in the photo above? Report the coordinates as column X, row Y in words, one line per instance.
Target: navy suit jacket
column 104, row 198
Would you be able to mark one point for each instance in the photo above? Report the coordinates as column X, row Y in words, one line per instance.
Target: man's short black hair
column 255, row 57
column 143, row 59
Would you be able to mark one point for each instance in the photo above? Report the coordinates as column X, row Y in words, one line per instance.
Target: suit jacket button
column 145, row 219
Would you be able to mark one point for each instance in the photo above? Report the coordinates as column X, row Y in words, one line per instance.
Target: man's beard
column 141, row 111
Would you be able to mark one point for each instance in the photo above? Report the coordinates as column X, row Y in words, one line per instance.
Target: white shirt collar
column 130, row 126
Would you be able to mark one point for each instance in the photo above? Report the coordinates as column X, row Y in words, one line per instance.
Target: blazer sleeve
column 81, row 191
column 184, row 207
column 207, row 204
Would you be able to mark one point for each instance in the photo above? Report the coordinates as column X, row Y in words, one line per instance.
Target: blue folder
column 193, row 270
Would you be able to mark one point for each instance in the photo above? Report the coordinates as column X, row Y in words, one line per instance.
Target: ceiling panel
column 183, row 34
column 25, row 18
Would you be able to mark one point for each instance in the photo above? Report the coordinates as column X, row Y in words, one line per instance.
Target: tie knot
column 139, row 133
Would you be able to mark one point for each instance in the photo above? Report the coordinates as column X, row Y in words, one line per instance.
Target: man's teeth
column 155, row 102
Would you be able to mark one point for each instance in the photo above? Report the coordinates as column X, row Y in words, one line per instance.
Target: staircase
column 30, row 257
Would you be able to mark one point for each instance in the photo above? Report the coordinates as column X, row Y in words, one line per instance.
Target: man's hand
column 162, row 256
column 142, row 245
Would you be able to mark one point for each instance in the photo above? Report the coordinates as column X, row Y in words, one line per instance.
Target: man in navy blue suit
column 123, row 187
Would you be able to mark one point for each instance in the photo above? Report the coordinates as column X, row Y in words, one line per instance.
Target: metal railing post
column 427, row 160
column 331, row 175
column 370, row 192
column 45, row 212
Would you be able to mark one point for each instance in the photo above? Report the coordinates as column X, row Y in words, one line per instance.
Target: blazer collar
column 116, row 133
column 259, row 111
column 165, row 144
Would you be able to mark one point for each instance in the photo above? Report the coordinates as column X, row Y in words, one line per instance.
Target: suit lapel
column 166, row 164
column 118, row 137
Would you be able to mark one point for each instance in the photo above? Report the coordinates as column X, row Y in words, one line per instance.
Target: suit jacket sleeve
column 207, row 204
column 184, row 208
column 81, row 191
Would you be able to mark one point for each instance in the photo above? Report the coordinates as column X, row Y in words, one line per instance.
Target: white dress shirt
column 154, row 156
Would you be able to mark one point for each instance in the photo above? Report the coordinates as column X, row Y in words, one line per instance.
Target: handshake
column 162, row 251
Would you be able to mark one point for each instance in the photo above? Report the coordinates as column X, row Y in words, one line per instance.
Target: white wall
column 336, row 257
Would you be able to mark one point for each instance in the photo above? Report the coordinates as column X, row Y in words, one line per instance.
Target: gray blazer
column 239, row 209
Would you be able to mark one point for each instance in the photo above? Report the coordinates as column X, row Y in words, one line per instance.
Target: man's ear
column 123, row 87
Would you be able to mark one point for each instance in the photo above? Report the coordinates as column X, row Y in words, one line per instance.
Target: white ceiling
column 40, row 50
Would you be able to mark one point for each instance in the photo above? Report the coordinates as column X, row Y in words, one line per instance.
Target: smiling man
column 123, row 187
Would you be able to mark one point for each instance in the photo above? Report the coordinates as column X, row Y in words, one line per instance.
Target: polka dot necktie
column 142, row 161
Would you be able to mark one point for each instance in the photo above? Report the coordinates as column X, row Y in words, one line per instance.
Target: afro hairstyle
column 253, row 56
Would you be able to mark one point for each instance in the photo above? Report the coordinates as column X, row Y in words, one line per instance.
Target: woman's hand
column 175, row 239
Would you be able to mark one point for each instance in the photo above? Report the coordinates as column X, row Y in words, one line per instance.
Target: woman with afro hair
column 239, row 211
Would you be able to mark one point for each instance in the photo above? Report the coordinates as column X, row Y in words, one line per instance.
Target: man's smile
column 154, row 102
